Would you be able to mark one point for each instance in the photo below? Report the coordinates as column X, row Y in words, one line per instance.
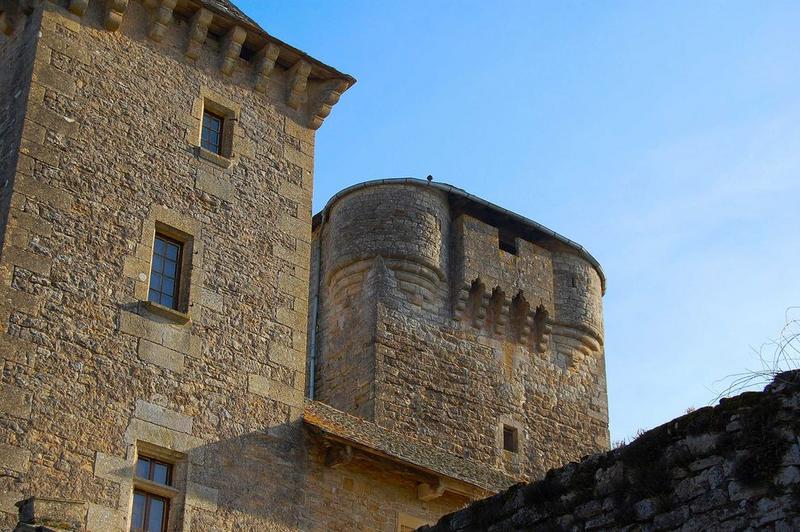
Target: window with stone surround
column 165, row 271
column 159, row 488
column 152, row 495
column 213, row 133
column 510, row 439
column 171, row 259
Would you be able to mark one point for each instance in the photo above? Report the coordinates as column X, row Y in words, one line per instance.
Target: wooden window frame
column 148, row 497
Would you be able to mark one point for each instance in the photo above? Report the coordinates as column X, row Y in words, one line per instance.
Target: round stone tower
column 460, row 323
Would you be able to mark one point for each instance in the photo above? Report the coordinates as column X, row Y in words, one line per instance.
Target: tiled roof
column 401, row 448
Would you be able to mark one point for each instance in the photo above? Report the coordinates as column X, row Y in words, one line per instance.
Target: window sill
column 219, row 160
column 170, row 313
column 155, row 488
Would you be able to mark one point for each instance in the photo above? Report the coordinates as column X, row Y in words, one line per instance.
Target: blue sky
column 663, row 136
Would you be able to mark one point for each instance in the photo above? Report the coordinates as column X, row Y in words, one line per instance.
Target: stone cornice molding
column 309, row 88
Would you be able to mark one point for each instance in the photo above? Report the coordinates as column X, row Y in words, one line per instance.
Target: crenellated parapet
column 304, row 85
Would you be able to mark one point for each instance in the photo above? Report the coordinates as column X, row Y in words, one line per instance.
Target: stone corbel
column 338, row 455
column 428, row 491
column 265, row 63
column 78, row 7
column 162, row 16
column 114, row 11
column 330, row 95
column 231, row 49
column 198, row 31
column 298, row 80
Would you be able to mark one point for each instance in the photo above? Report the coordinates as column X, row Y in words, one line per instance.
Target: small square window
column 211, row 136
column 507, row 242
column 510, row 439
column 165, row 271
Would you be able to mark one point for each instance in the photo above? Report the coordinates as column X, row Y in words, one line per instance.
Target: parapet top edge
column 460, row 193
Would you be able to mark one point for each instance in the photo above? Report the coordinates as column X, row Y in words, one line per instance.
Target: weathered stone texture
column 731, row 467
column 427, row 327
column 17, row 56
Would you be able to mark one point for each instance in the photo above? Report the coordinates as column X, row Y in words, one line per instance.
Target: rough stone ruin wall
column 466, row 337
column 732, row 467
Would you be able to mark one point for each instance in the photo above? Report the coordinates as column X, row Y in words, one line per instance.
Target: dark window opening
column 154, row 470
column 165, row 271
column 510, row 439
column 508, row 242
column 211, row 136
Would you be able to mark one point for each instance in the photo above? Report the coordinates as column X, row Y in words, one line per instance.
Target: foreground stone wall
column 427, row 326
column 735, row 466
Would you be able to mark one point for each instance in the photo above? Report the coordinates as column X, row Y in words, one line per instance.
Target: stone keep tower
column 439, row 315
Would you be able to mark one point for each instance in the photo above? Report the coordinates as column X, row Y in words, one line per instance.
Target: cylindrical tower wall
column 394, row 221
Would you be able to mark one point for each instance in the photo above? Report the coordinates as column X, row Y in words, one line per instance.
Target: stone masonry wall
column 466, row 338
column 16, row 56
column 735, row 466
column 89, row 373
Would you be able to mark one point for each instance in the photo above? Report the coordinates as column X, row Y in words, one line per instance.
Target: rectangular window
column 507, row 242
column 211, row 136
column 150, row 510
column 165, row 271
column 510, row 439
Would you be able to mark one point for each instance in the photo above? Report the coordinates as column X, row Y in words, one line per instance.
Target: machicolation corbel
column 298, row 80
column 115, row 9
column 265, row 63
column 161, row 18
column 331, row 92
column 197, row 32
column 232, row 48
column 78, row 7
